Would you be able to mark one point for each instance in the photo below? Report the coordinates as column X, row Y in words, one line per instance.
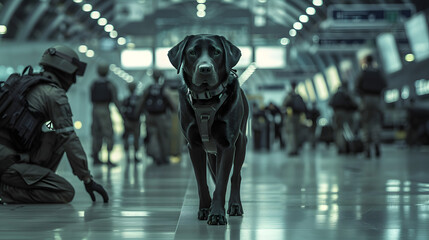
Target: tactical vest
column 372, row 82
column 205, row 113
column 156, row 102
column 100, row 92
column 130, row 106
column 24, row 126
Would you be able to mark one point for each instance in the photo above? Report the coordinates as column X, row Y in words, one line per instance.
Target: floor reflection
column 317, row 195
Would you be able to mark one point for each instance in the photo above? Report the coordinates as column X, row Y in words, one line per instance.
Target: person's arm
column 170, row 103
column 358, row 85
column 142, row 101
column 59, row 111
column 115, row 99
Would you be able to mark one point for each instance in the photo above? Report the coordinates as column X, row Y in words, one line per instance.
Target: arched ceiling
column 152, row 23
column 34, row 20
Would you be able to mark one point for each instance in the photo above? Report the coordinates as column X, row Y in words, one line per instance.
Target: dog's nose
column 205, row 68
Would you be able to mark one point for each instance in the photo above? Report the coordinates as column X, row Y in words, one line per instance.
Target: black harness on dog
column 204, row 113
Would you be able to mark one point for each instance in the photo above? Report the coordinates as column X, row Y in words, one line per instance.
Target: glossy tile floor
column 317, row 195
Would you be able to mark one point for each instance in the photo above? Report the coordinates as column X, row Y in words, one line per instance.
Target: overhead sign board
column 368, row 15
column 418, row 36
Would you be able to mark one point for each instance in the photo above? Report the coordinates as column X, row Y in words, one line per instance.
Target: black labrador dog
column 213, row 114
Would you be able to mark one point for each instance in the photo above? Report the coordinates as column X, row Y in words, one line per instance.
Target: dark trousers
column 29, row 183
column 132, row 128
column 158, row 130
column 32, row 179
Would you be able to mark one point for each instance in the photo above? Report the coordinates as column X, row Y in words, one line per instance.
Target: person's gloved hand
column 92, row 186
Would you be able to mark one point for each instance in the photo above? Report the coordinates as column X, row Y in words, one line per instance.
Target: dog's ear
column 175, row 54
column 231, row 52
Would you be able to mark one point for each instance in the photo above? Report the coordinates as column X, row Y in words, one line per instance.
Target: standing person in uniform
column 313, row 114
column 277, row 118
column 131, row 121
column 344, row 107
column 103, row 92
column 258, row 127
column 295, row 106
column 156, row 103
column 369, row 86
column 28, row 161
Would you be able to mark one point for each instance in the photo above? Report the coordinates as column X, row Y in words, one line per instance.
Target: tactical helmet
column 103, row 69
column 132, row 86
column 64, row 59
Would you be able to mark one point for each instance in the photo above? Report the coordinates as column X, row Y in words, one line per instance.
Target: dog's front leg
column 217, row 210
column 198, row 159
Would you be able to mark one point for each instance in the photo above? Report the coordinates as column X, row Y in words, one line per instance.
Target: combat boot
column 377, row 150
column 110, row 163
column 96, row 160
column 368, row 153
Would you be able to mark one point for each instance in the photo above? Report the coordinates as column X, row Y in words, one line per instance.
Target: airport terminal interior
column 313, row 169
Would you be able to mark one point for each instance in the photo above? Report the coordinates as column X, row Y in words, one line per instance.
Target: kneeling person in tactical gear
column 28, row 162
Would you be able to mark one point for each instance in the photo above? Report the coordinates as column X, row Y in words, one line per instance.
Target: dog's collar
column 213, row 92
column 208, row 94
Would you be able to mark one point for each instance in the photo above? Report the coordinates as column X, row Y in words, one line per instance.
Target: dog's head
column 206, row 60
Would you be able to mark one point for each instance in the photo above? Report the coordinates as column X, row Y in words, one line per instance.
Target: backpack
column 130, row 105
column 372, row 82
column 24, row 126
column 100, row 92
column 155, row 102
column 341, row 100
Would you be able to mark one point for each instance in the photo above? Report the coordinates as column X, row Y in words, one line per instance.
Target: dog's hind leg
column 234, row 207
column 198, row 158
column 212, row 166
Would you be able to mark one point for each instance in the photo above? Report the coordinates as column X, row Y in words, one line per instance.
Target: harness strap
column 205, row 115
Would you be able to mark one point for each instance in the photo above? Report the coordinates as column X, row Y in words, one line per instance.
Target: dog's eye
column 217, row 52
column 192, row 53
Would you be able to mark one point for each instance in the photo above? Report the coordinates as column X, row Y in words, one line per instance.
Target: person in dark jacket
column 313, row 115
column 29, row 176
column 103, row 92
column 259, row 123
column 277, row 118
column 131, row 121
column 156, row 103
column 295, row 107
column 344, row 106
column 370, row 85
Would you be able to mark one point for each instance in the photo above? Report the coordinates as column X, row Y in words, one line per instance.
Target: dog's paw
column 235, row 210
column 217, row 220
column 203, row 214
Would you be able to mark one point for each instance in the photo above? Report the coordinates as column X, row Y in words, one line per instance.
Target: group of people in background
column 154, row 103
column 298, row 121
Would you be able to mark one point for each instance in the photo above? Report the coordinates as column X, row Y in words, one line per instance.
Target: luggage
column 326, row 134
column 342, row 100
column 354, row 143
